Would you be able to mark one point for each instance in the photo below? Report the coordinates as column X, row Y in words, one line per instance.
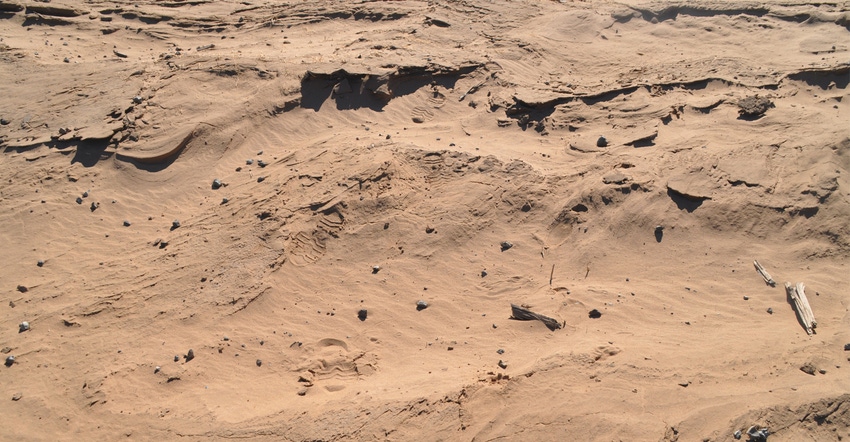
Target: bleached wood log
column 801, row 305
column 764, row 274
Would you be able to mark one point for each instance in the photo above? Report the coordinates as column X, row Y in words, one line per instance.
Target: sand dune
column 631, row 158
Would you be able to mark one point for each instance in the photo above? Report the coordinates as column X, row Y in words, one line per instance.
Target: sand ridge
column 375, row 154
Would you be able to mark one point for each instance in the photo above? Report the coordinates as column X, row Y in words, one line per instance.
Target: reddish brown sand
column 417, row 136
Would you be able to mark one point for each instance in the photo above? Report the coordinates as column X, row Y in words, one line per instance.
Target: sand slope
column 375, row 154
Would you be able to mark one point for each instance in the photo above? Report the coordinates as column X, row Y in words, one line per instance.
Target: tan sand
column 417, row 137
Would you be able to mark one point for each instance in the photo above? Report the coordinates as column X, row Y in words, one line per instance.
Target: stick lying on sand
column 764, row 274
column 522, row 314
column 801, row 304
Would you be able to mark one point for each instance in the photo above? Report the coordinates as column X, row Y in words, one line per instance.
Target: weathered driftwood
column 801, row 305
column 764, row 274
column 523, row 314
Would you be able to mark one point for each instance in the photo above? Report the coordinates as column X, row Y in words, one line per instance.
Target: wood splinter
column 766, row 276
column 801, row 305
column 524, row 314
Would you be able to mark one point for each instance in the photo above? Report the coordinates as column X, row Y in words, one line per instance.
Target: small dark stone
column 526, row 207
column 421, row 305
column 259, row 362
column 224, row 200
column 216, row 184
column 361, row 314
column 24, row 326
column 429, row 229
column 176, row 358
column 746, row 298
column 483, row 273
column 500, row 351
column 126, row 223
column 808, row 368
column 10, row 360
column 175, row 224
column 386, row 226
column 40, row 263
column 659, row 233
column 17, row 396
column 249, row 162
column 262, row 163
column 376, row 269
column 22, row 288
column 260, row 153
column 846, row 347
column 94, row 206
column 595, row 314
column 450, row 348
column 225, row 338
column 137, row 99
column 770, row 310
column 503, row 364
column 79, row 200
column 261, row 179
column 505, row 245
column 189, row 355
column 4, row 121
column 86, row 194
column 601, row 142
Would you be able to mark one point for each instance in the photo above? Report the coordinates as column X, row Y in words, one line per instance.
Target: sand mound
column 334, row 206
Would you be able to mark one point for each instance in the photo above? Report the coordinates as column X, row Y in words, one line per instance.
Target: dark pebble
column 4, row 121
column 595, row 314
column 137, row 99
column 421, row 305
column 376, row 269
column 846, row 347
column 500, row 351
column 249, row 162
column 216, row 184
column 79, row 200
column 361, row 314
column 505, row 245
column 224, row 200
column 10, row 360
column 483, row 273
column 126, row 223
column 259, row 363
column 502, row 364
column 770, row 310
column 176, row 358
column 40, row 263
column 262, row 163
column 94, row 206
column 175, row 224
column 22, row 288
column 261, row 179
column 190, row 355
column 601, row 142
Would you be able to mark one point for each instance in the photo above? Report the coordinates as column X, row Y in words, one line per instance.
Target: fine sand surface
column 418, row 137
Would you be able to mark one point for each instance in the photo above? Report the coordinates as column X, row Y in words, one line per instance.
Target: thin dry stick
column 766, row 276
column 551, row 274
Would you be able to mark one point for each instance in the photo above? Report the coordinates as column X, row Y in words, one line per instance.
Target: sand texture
column 277, row 185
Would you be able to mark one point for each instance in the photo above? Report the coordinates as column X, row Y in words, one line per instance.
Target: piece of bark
column 801, row 305
column 523, row 314
column 766, row 276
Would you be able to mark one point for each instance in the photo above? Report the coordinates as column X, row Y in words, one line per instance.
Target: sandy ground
column 370, row 155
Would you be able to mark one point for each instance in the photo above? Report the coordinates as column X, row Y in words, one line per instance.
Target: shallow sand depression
column 276, row 186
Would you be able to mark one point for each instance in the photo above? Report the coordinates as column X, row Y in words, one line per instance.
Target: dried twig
column 766, row 276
